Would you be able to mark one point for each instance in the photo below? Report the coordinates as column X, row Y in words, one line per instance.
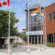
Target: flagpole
column 9, row 31
column 45, row 29
column 28, row 24
column 41, row 48
column 41, row 26
column 37, row 35
column 9, row 49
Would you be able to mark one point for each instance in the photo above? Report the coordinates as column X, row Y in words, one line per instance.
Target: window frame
column 53, row 15
column 50, row 38
column 49, row 17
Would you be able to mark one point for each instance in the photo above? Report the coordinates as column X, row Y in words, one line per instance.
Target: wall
column 50, row 25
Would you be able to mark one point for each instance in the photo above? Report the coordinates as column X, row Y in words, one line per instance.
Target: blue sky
column 18, row 6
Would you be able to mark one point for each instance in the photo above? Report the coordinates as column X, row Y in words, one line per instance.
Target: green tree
column 23, row 35
column 4, row 23
column 18, row 34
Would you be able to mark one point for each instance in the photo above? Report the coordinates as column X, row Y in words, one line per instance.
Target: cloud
column 4, row 8
column 19, row 0
column 18, row 6
column 21, row 17
column 22, row 22
column 42, row 2
column 20, row 29
column 3, row 0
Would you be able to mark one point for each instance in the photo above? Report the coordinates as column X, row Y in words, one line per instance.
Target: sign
column 35, row 33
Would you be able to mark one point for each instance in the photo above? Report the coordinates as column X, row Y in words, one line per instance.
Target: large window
column 34, row 39
column 34, row 22
column 34, row 27
column 50, row 16
column 54, row 38
column 53, row 15
column 49, row 38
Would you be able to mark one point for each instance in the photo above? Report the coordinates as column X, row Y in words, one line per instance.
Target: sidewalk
column 49, row 51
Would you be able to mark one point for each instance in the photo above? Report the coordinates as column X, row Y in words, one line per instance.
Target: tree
column 23, row 35
column 18, row 34
column 4, row 23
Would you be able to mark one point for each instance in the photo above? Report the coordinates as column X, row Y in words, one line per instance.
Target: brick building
column 35, row 30
column 50, row 23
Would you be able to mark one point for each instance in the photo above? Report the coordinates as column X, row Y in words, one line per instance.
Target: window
column 35, row 19
column 39, row 28
column 53, row 15
column 49, row 38
column 34, row 22
column 50, row 17
column 54, row 38
column 33, row 27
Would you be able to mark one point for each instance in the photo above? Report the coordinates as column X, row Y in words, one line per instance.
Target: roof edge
column 50, row 5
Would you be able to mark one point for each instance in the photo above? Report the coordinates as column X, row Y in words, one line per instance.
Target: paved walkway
column 34, row 51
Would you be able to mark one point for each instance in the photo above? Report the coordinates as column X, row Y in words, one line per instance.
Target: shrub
column 50, row 45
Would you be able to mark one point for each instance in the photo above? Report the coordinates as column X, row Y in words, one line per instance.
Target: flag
column 8, row 1
column 27, row 5
column 0, row 4
column 5, row 3
column 41, row 17
column 37, row 10
column 42, row 13
column 33, row 14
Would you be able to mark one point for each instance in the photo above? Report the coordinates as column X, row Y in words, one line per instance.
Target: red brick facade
column 50, row 25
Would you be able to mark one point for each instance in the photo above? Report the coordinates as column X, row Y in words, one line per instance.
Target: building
column 50, row 23
column 35, row 24
column 35, row 30
column 13, row 40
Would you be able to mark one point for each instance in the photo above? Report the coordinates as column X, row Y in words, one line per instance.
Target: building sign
column 35, row 33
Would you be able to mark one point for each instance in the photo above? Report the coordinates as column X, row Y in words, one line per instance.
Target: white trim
column 35, row 33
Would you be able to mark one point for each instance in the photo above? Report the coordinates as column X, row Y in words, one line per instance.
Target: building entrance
column 32, row 40
column 36, row 39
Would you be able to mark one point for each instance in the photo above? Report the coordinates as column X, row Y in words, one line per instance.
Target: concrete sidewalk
column 49, row 51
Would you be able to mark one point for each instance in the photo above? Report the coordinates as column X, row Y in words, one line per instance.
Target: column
column 53, row 38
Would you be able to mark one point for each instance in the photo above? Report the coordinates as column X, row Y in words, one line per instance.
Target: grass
column 50, row 45
column 14, row 46
column 6, row 47
column 3, row 48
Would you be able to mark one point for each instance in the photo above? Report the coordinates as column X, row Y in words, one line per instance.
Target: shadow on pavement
column 19, row 49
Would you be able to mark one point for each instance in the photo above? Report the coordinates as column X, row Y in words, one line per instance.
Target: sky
column 18, row 6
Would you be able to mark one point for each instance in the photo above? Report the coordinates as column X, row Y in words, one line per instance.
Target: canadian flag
column 5, row 3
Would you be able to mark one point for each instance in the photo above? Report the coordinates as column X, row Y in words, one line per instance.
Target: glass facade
column 34, row 39
column 34, row 27
column 35, row 24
